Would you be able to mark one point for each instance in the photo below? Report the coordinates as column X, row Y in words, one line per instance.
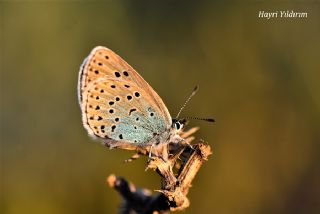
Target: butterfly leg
column 153, row 150
column 159, row 150
column 164, row 151
column 152, row 145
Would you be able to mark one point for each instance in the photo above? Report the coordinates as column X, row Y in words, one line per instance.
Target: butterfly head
column 178, row 124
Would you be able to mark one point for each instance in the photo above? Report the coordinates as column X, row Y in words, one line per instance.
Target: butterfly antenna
column 204, row 119
column 189, row 98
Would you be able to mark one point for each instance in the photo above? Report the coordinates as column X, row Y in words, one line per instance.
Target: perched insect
column 120, row 107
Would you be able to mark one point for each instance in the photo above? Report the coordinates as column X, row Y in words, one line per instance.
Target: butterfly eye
column 178, row 125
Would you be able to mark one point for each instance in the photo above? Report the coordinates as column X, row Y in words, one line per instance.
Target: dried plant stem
column 173, row 193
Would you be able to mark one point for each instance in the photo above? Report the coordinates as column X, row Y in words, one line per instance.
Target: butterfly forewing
column 102, row 62
column 116, row 102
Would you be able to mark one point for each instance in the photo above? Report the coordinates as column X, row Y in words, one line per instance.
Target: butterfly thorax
column 169, row 136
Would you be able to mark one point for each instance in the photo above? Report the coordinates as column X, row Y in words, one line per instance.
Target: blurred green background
column 258, row 78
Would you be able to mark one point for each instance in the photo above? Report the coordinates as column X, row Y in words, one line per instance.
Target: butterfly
column 119, row 107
